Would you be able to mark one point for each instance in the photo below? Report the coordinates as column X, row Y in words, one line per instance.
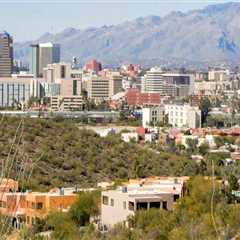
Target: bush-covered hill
column 58, row 154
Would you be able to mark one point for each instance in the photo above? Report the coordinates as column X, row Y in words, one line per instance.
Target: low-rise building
column 117, row 205
column 136, row 98
column 183, row 115
column 66, row 103
column 26, row 208
column 152, row 116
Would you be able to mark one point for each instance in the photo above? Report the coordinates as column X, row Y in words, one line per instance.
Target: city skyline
column 80, row 14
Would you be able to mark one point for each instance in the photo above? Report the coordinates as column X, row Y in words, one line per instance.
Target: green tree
column 204, row 148
column 205, row 107
column 63, row 227
column 192, row 144
column 87, row 205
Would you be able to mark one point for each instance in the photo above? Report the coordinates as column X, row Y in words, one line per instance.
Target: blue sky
column 29, row 19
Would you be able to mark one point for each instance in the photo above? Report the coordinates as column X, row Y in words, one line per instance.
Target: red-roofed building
column 93, row 65
column 135, row 98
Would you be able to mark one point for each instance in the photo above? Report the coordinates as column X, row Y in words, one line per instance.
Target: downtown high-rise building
column 6, row 54
column 41, row 55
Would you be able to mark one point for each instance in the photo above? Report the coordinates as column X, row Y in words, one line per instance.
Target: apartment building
column 27, row 208
column 66, row 103
column 117, row 205
column 183, row 115
column 151, row 116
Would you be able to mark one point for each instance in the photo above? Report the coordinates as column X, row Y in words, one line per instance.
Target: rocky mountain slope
column 209, row 35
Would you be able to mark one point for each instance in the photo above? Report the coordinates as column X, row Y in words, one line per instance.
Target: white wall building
column 118, row 204
column 183, row 115
column 152, row 116
column 167, row 83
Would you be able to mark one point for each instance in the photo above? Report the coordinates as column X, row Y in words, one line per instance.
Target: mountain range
column 206, row 36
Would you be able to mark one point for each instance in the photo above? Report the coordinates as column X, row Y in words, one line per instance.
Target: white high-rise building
column 167, row 84
column 153, row 81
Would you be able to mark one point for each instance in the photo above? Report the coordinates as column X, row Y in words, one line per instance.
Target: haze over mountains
column 210, row 35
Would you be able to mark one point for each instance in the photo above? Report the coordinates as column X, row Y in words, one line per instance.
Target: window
column 105, row 200
column 155, row 204
column 28, row 219
column 63, row 72
column 131, row 206
column 39, row 205
column 33, row 205
column 142, row 205
column 165, row 205
column 124, row 205
column 112, row 202
column 175, row 197
column 3, row 204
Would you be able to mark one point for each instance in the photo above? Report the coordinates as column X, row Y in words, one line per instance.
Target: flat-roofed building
column 26, row 208
column 55, row 71
column 117, row 205
column 152, row 116
column 98, row 88
column 115, row 84
column 66, row 103
column 41, row 55
column 167, row 83
column 183, row 115
column 14, row 91
column 6, row 54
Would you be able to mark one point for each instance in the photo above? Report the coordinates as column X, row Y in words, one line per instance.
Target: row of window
column 33, row 205
column 176, row 113
column 139, row 205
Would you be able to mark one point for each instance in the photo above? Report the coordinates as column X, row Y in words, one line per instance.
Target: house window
column 105, row 200
column 165, row 205
column 39, row 205
column 155, row 204
column 3, row 204
column 28, row 219
column 142, row 205
column 124, row 205
column 175, row 197
column 33, row 205
column 112, row 202
column 131, row 206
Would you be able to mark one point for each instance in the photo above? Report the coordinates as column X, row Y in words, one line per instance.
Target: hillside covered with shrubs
column 44, row 153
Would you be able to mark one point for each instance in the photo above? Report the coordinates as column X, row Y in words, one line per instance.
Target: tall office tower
column 6, row 54
column 43, row 54
column 34, row 61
